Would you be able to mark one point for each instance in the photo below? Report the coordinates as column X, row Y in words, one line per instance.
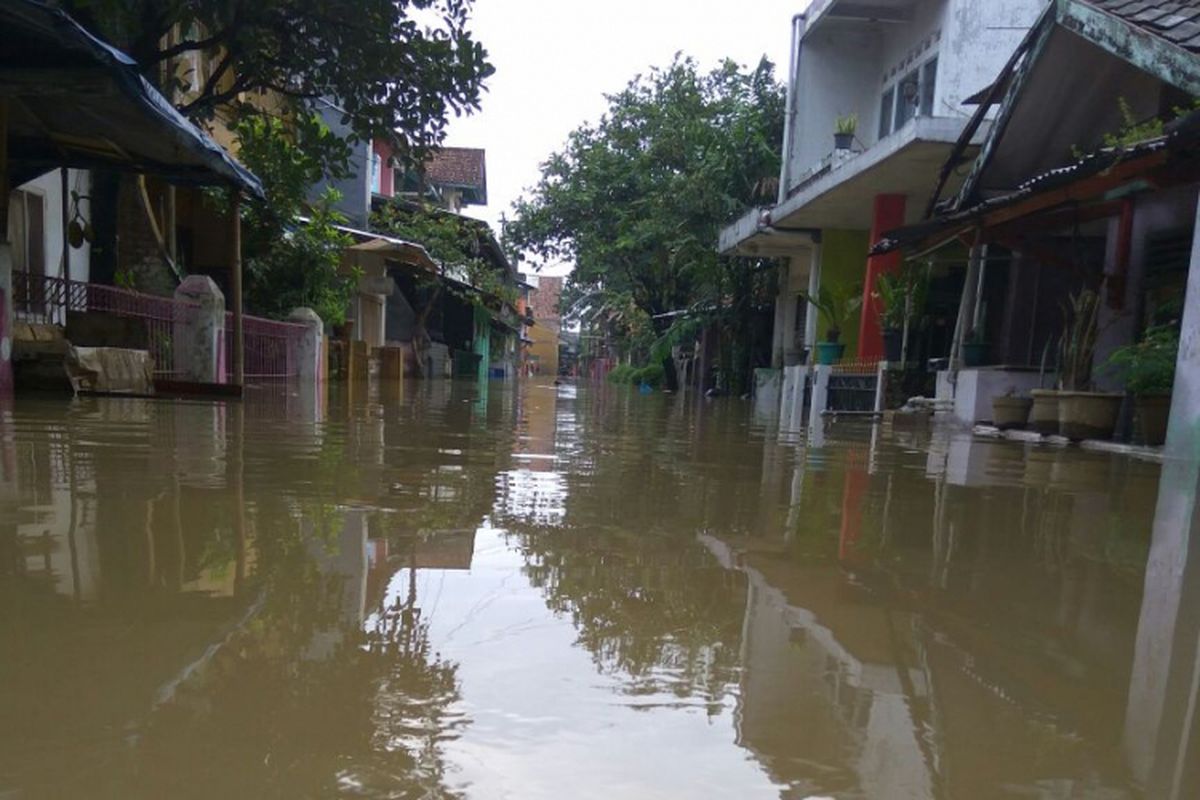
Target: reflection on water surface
column 544, row 592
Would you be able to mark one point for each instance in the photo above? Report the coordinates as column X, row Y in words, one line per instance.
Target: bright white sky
column 556, row 59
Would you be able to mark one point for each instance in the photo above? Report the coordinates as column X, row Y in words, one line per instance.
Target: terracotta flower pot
column 1088, row 415
column 1010, row 412
column 1150, row 413
column 1043, row 416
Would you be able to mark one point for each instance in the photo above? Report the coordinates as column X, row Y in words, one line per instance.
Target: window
column 27, row 233
column 886, row 106
column 908, row 97
column 928, row 83
column 376, row 173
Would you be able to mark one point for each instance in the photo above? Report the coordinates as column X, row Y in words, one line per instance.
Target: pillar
column 811, row 315
column 235, row 288
column 309, row 356
column 6, row 262
column 888, row 215
column 197, row 336
column 309, row 346
column 1162, row 729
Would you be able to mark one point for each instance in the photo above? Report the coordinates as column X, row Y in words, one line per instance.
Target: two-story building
column 905, row 74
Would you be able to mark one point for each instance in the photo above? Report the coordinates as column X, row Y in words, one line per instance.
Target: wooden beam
column 235, row 287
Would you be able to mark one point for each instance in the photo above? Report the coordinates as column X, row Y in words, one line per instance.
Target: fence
column 148, row 322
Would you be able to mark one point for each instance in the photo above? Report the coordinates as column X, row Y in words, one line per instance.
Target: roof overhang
column 75, row 101
column 754, row 236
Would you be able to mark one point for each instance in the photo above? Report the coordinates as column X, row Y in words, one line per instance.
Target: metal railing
column 270, row 346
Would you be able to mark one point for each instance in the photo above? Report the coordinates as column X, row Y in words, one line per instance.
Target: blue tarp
column 87, row 106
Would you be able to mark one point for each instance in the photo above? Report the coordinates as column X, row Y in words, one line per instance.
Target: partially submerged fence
column 148, row 322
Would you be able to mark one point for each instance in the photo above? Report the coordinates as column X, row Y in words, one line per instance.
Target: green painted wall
column 844, row 264
column 483, row 340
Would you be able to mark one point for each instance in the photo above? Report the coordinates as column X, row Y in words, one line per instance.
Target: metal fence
column 270, row 346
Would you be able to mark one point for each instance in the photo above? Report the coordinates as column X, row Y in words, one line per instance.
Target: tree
column 290, row 262
column 636, row 201
column 397, row 68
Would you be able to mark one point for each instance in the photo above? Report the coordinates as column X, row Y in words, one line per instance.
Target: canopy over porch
column 68, row 99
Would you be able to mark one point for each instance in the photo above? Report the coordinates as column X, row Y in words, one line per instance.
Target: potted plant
column 835, row 304
column 1083, row 413
column 844, row 128
column 1010, row 411
column 902, row 295
column 1147, row 368
column 1043, row 416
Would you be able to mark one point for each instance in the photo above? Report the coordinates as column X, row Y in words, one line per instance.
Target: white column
column 1164, row 687
column 814, row 287
column 198, row 329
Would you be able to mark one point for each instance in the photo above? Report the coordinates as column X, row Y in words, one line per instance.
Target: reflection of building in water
column 534, row 491
column 970, row 629
column 824, row 675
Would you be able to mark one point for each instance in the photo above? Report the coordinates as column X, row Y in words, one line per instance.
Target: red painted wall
column 889, row 215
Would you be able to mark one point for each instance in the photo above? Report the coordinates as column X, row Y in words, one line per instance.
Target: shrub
column 651, row 375
column 622, row 373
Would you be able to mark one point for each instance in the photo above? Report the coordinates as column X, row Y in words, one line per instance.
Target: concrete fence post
column 820, row 394
column 199, row 329
column 309, row 346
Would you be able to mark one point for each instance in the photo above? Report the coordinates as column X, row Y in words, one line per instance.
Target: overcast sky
column 556, row 59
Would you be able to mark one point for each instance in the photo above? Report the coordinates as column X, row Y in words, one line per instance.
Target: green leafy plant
column 902, row 295
column 847, row 124
column 1147, row 367
column 1077, row 345
column 835, row 303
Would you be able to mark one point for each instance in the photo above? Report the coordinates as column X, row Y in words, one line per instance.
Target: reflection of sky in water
column 532, row 497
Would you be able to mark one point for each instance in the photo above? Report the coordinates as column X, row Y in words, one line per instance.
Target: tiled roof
column 457, row 166
column 1177, row 21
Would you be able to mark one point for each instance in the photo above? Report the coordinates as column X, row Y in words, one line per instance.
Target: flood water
column 551, row 592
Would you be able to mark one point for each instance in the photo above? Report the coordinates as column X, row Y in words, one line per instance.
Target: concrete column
column 309, row 347
column 820, row 394
column 6, row 315
column 1161, row 730
column 810, row 318
column 889, row 215
column 198, row 330
column 778, row 340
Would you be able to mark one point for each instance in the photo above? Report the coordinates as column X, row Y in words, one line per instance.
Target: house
column 902, row 74
column 1100, row 195
column 75, row 104
column 547, row 325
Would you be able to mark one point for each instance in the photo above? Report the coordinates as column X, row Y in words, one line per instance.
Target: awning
column 1091, row 179
column 389, row 248
column 75, row 101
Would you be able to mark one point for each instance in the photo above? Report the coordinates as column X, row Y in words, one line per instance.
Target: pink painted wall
column 387, row 185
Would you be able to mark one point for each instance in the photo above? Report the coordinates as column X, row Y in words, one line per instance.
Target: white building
column 907, row 71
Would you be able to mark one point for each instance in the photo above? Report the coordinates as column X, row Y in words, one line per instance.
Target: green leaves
column 636, row 200
column 396, row 68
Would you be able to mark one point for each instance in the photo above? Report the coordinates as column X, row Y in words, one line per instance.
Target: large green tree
column 636, row 200
column 397, row 68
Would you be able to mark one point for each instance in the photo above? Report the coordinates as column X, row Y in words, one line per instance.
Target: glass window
column 376, row 173
column 928, row 83
column 909, row 95
column 886, row 106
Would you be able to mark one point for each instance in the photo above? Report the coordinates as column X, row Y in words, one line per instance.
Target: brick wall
column 545, row 300
column 137, row 250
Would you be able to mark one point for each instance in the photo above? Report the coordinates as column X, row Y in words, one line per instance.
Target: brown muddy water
column 559, row 593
